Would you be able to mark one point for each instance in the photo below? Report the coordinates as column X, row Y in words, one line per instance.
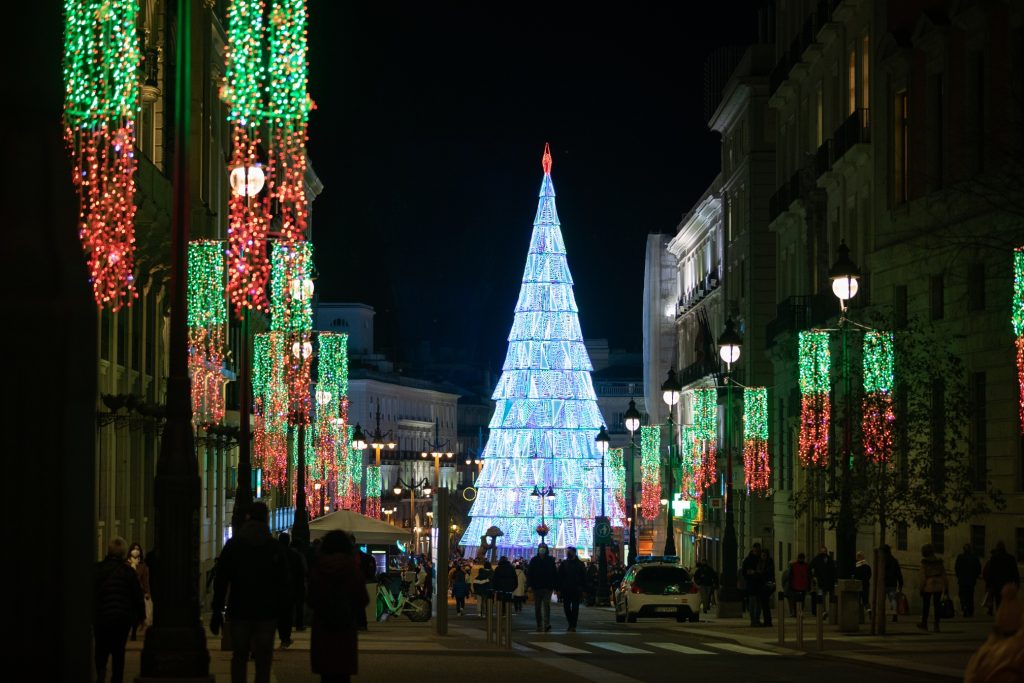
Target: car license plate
column 666, row 610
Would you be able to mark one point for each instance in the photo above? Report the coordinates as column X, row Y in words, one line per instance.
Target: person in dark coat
column 1002, row 569
column 967, row 569
column 572, row 579
column 255, row 568
column 706, row 579
column 893, row 579
column 542, row 576
column 460, row 589
column 751, row 572
column 766, row 573
column 297, row 572
column 591, row 589
column 337, row 594
column 823, row 572
column 504, row 581
column 118, row 605
column 482, row 586
column 862, row 572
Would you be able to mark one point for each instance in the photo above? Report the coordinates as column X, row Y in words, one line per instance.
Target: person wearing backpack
column 337, row 593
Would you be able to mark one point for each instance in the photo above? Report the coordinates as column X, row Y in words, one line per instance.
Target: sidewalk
column 904, row 646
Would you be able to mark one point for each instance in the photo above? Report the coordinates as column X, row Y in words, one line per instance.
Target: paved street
column 603, row 651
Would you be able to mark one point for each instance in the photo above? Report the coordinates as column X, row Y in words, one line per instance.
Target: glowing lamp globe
column 670, row 388
column 323, row 396
column 845, row 288
column 359, row 443
column 729, row 344
column 247, row 181
column 844, row 275
column 302, row 350
column 632, row 417
column 397, row 490
column 301, row 289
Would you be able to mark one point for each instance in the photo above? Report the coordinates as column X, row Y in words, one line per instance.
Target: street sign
column 602, row 531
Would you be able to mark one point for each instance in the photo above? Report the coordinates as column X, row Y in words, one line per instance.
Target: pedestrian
column 519, row 594
column 766, row 573
column 799, row 582
column 967, row 569
column 137, row 561
column 118, row 606
column 253, row 575
column 933, row 585
column 504, row 581
column 751, row 572
column 823, row 574
column 706, row 579
column 893, row 580
column 337, row 594
column 1001, row 658
column 297, row 573
column 572, row 579
column 862, row 572
column 541, row 578
column 482, row 586
column 460, row 589
column 1002, row 569
column 591, row 584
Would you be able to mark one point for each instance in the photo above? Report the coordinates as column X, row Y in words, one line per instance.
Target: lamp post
column 437, row 450
column 844, row 275
column 670, row 390
column 603, row 529
column 475, row 460
column 379, row 440
column 424, row 486
column 542, row 530
column 632, row 420
column 729, row 350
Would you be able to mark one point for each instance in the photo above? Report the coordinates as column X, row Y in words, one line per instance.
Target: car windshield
column 663, row 580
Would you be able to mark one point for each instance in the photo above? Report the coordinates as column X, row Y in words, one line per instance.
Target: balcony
column 704, row 288
column 694, row 372
column 823, row 159
column 801, row 313
column 855, row 130
column 788, row 192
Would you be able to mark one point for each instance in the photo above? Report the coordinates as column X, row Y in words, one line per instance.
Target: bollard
column 508, row 625
column 820, row 617
column 486, row 604
column 780, row 615
column 800, row 625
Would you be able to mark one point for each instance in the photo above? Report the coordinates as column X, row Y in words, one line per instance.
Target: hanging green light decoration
column 207, row 321
column 270, row 394
column 1018, row 323
column 650, row 471
column 616, row 472
column 705, row 415
column 101, row 60
column 756, row 464
column 878, row 416
column 815, row 363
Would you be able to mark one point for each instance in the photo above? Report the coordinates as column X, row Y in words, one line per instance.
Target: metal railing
column 854, row 130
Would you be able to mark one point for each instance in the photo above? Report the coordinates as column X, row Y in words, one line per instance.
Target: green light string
column 288, row 264
column 706, row 437
column 878, row 361
column 815, row 362
column 755, row 413
column 1017, row 307
column 650, row 471
column 244, row 71
column 756, row 465
column 205, row 290
column 616, row 473
column 288, row 102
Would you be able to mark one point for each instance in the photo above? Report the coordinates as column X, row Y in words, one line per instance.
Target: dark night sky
column 430, row 125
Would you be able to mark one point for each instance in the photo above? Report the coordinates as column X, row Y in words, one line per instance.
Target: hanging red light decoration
column 705, row 438
column 756, row 464
column 1018, row 322
column 816, row 404
column 878, row 419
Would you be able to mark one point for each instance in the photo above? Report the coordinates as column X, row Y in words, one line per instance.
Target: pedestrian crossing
column 600, row 646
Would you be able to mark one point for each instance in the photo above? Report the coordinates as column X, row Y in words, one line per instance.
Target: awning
column 366, row 529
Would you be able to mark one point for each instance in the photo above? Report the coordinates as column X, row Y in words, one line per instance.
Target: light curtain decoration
column 650, row 471
column 207, row 322
column 878, row 416
column 616, row 475
column 101, row 66
column 270, row 404
column 705, row 415
column 756, row 464
column 1018, row 323
column 291, row 313
column 815, row 363
column 249, row 205
column 689, row 459
column 546, row 414
column 331, row 393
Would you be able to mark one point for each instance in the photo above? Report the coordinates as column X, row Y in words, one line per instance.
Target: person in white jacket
column 519, row 594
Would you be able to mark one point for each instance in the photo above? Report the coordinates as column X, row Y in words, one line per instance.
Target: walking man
column 572, row 579
column 968, row 569
column 541, row 577
column 823, row 571
column 255, row 568
column 119, row 605
column 752, row 573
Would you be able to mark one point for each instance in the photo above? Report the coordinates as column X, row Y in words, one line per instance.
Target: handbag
column 946, row 608
column 902, row 604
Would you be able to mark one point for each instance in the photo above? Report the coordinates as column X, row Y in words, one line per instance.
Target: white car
column 657, row 589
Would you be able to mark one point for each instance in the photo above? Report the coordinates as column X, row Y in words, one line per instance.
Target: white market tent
column 366, row 529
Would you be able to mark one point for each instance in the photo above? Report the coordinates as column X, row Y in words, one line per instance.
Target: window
column 976, row 287
column 939, row 538
column 899, row 306
column 979, row 431
column 936, row 297
column 852, row 80
column 978, row 539
column 901, row 536
column 865, row 54
column 820, row 117
column 901, row 148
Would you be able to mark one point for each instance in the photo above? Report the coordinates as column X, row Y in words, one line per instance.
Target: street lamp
column 423, row 485
column 379, row 440
column 437, row 450
column 670, row 390
column 602, row 440
column 729, row 350
column 844, row 275
column 632, row 420
column 542, row 529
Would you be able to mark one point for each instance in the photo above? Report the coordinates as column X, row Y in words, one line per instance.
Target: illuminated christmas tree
column 546, row 415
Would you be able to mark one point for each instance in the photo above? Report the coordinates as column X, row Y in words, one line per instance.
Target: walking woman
column 336, row 594
column 933, row 585
column 460, row 589
column 137, row 561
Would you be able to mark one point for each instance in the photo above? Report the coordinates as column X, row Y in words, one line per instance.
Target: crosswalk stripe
column 676, row 647
column 741, row 649
column 560, row 648
column 620, row 648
